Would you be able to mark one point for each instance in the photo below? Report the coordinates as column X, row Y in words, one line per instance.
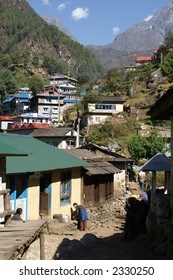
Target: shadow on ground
column 90, row 247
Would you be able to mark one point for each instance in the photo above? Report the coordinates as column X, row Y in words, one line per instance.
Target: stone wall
column 160, row 227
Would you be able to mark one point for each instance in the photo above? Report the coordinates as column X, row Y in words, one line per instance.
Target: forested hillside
column 29, row 45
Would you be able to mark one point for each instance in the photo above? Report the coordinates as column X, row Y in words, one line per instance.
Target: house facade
column 107, row 107
column 6, row 150
column 17, row 103
column 98, row 178
column 45, row 182
column 49, row 104
column 5, row 121
column 59, row 79
column 59, row 137
column 27, row 118
column 116, row 160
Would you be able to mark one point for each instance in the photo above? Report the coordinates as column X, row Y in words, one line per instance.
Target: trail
column 103, row 242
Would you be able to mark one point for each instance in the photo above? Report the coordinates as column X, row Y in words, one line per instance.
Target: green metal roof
column 8, row 150
column 41, row 156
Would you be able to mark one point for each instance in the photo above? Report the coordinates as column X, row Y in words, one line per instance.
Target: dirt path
column 97, row 243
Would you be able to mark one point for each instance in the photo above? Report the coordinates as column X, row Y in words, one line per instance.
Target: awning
column 100, row 168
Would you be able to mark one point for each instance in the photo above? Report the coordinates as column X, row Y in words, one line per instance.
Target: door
column 45, row 194
column 19, row 193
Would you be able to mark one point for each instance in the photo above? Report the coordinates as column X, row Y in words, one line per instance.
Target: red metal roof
column 6, row 118
column 144, row 59
column 28, row 126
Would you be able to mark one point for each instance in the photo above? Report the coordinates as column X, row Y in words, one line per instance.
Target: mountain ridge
column 139, row 39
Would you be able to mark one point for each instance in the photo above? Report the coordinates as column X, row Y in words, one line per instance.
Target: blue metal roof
column 7, row 100
column 71, row 100
column 21, row 95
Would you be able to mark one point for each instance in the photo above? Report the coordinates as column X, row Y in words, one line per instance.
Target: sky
column 98, row 22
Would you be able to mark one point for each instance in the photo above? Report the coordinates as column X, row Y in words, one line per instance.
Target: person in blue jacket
column 81, row 215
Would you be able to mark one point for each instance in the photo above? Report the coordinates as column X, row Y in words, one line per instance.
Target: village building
column 58, row 79
column 118, row 161
column 4, row 122
column 27, row 118
column 54, row 100
column 98, row 178
column 18, row 103
column 47, row 181
column 59, row 137
column 49, row 104
column 6, row 150
column 100, row 111
column 143, row 60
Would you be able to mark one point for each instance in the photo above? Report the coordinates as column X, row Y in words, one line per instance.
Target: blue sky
column 97, row 22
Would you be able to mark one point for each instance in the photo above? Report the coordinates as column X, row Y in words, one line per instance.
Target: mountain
column 26, row 39
column 58, row 24
column 138, row 40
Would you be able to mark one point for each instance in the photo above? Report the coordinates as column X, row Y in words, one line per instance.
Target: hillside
column 58, row 24
column 139, row 94
column 26, row 39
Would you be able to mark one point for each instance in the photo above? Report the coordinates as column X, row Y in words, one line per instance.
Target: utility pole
column 161, row 58
column 59, row 104
column 77, row 129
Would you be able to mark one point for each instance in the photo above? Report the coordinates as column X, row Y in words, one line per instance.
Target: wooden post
column 42, row 249
column 7, row 205
column 7, row 201
column 153, row 188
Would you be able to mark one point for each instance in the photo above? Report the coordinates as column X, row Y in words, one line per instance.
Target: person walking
column 81, row 215
column 141, row 179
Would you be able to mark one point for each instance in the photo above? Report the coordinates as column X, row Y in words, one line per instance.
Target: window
column 105, row 107
column 55, row 110
column 45, row 110
column 97, row 119
column 65, row 188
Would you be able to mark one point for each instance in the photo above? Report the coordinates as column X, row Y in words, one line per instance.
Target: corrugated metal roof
column 106, row 154
column 99, row 168
column 8, row 150
column 159, row 162
column 98, row 163
column 42, row 157
column 51, row 132
column 84, row 154
column 96, row 171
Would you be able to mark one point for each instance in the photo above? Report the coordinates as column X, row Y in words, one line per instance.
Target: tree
column 7, row 84
column 167, row 65
column 146, row 147
column 90, row 97
column 114, row 80
column 156, row 144
column 136, row 147
column 36, row 85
